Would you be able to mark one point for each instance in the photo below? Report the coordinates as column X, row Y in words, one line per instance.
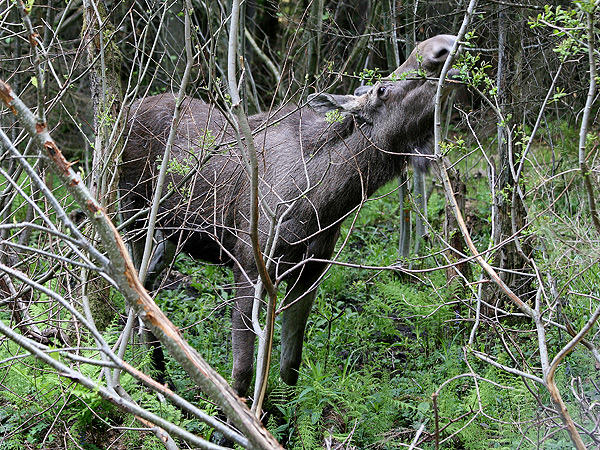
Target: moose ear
column 324, row 102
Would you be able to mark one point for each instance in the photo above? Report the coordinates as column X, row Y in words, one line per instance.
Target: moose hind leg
column 293, row 324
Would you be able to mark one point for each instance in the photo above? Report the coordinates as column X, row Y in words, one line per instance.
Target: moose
column 317, row 163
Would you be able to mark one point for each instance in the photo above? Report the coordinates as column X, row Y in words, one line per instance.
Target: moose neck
column 356, row 166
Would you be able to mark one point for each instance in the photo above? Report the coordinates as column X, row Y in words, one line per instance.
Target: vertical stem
column 315, row 24
column 143, row 271
column 246, row 142
column 534, row 314
column 391, row 45
column 437, row 423
column 404, row 246
column 37, row 54
column 420, row 195
column 411, row 31
column 585, row 173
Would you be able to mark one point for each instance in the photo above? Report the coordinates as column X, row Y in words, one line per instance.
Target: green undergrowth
column 38, row 408
column 378, row 344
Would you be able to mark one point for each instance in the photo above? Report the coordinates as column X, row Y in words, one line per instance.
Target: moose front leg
column 164, row 254
column 300, row 297
column 242, row 339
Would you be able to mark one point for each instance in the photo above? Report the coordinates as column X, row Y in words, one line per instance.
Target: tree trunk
column 105, row 81
column 107, row 100
column 315, row 25
column 511, row 217
column 404, row 245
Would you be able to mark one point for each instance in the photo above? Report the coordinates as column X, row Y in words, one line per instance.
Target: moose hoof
column 241, row 382
column 289, row 375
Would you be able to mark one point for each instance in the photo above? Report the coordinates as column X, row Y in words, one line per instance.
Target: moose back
column 316, row 165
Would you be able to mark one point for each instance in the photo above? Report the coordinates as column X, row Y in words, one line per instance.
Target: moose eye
column 381, row 91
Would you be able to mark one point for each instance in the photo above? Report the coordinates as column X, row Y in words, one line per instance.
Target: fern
column 307, row 429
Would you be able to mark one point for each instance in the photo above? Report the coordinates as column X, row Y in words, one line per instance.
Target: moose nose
column 429, row 55
column 439, row 51
column 442, row 53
